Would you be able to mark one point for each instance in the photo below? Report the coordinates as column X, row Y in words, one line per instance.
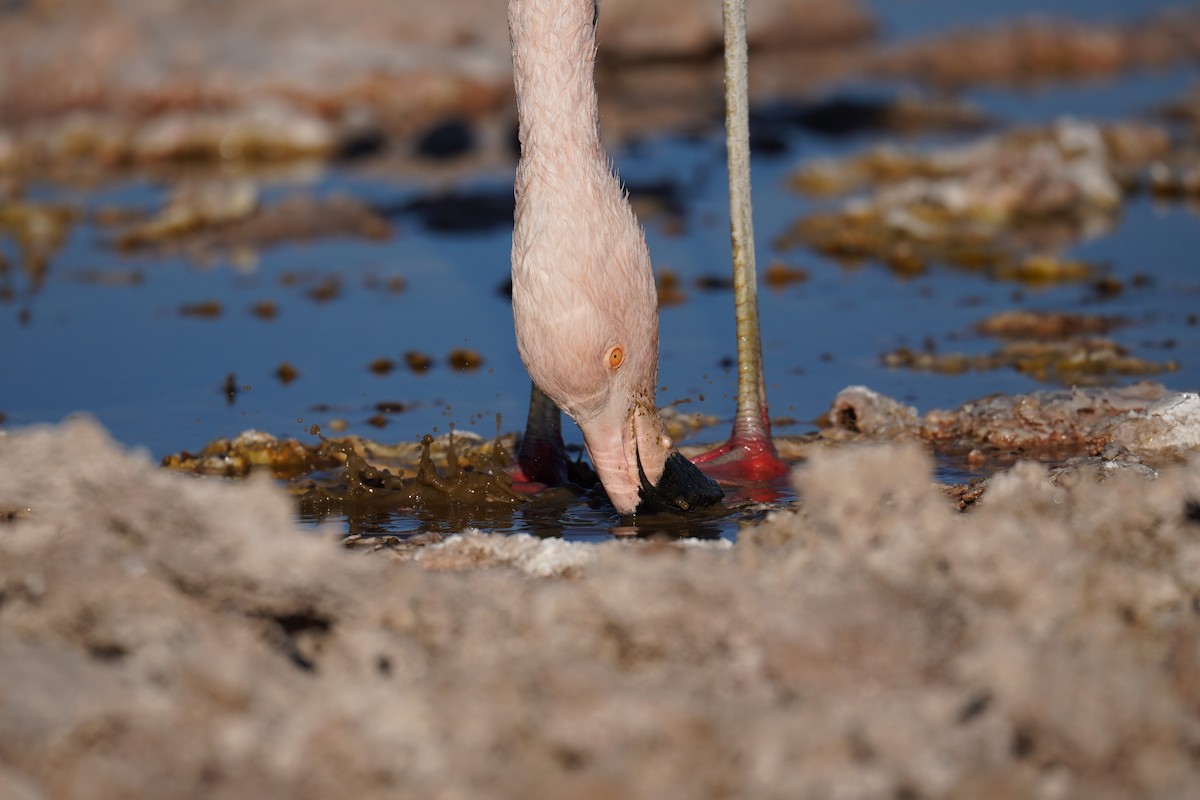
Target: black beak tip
column 682, row 487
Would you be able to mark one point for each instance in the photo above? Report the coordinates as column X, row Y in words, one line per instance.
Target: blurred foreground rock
column 163, row 635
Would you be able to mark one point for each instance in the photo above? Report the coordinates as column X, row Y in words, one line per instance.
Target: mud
column 169, row 636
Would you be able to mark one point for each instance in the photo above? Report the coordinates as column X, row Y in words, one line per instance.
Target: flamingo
column 585, row 308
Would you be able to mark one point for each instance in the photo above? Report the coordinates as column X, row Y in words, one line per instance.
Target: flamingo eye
column 615, row 357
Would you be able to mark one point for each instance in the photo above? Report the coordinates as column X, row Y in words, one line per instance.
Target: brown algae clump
column 369, row 488
column 1082, row 362
column 227, row 216
column 418, row 362
column 286, row 373
column 464, row 360
column 779, row 276
column 670, row 292
column 1038, row 270
column 238, row 457
column 984, row 206
column 265, row 310
column 39, row 231
column 1021, row 324
column 382, row 366
column 1050, row 346
column 192, row 207
column 203, row 309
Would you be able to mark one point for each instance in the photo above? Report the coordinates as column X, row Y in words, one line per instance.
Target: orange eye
column 615, row 357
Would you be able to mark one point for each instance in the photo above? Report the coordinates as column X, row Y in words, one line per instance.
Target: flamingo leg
column 541, row 456
column 749, row 455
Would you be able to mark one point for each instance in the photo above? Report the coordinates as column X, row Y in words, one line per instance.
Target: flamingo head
column 587, row 331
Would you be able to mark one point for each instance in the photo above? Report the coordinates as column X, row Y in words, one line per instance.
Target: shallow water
column 564, row 515
column 103, row 332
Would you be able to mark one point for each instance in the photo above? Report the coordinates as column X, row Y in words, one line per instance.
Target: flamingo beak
column 682, row 487
column 640, row 468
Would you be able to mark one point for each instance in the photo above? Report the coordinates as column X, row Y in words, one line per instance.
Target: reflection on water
column 568, row 513
column 560, row 516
